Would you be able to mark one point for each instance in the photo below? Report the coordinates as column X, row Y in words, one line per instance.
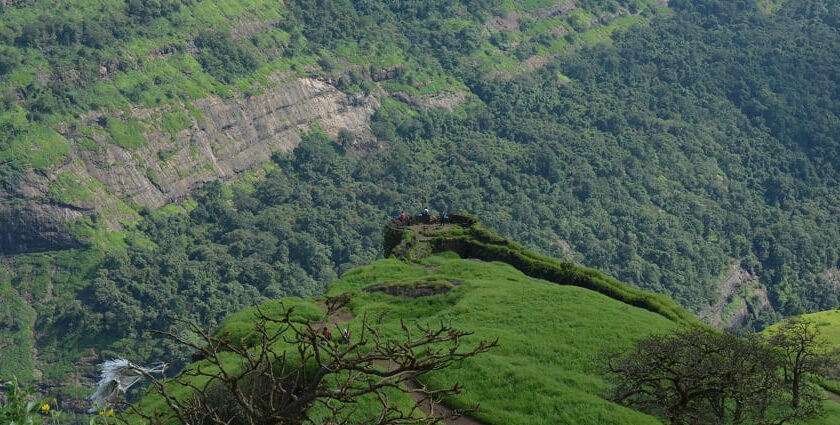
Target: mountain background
column 192, row 158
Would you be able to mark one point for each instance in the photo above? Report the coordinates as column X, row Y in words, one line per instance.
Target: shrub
column 222, row 57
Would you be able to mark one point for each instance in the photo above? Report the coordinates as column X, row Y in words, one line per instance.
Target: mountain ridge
column 493, row 299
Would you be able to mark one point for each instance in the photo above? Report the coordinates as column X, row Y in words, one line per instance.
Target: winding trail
column 425, row 405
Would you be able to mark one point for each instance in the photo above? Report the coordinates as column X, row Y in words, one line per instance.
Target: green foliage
column 16, row 322
column 706, row 376
column 239, row 327
column 706, row 136
column 10, row 58
column 19, row 406
column 147, row 10
column 69, row 187
column 222, row 58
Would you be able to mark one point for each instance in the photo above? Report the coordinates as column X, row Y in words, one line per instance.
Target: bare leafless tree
column 285, row 369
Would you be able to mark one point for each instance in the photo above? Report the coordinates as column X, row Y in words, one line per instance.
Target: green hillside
column 549, row 336
column 190, row 158
column 828, row 324
column 91, row 89
column 58, row 61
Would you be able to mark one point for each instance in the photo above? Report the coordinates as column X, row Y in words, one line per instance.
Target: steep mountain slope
column 689, row 150
column 109, row 109
column 149, row 100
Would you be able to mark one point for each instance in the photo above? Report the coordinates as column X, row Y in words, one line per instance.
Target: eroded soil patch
column 423, row 288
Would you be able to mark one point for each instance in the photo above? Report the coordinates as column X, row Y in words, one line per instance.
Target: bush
column 222, row 57
column 9, row 59
column 146, row 10
column 22, row 407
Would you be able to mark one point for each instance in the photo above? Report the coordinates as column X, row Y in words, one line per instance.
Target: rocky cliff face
column 739, row 295
column 231, row 136
column 27, row 223
column 35, row 227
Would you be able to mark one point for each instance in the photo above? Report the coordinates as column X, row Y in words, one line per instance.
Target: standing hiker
column 403, row 218
column 327, row 334
column 345, row 336
column 442, row 218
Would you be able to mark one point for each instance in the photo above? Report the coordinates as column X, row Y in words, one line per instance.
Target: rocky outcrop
column 226, row 137
column 27, row 223
column 36, row 227
column 739, row 295
column 832, row 277
column 232, row 136
column 509, row 22
column 446, row 99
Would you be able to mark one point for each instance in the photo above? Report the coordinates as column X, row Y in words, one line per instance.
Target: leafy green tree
column 803, row 356
column 701, row 376
column 222, row 57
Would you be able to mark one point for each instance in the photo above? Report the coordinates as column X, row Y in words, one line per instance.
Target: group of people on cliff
column 422, row 217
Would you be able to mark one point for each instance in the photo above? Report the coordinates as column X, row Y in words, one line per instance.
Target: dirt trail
column 332, row 320
column 424, row 404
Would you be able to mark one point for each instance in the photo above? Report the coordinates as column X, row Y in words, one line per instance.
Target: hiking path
column 425, row 405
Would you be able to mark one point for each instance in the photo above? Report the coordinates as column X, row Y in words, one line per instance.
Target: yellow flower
column 45, row 407
column 110, row 412
column 101, row 413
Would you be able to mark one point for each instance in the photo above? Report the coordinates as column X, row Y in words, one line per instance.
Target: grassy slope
column 550, row 337
column 831, row 417
column 470, row 239
column 828, row 324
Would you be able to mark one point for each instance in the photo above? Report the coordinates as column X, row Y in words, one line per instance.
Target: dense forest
column 701, row 136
